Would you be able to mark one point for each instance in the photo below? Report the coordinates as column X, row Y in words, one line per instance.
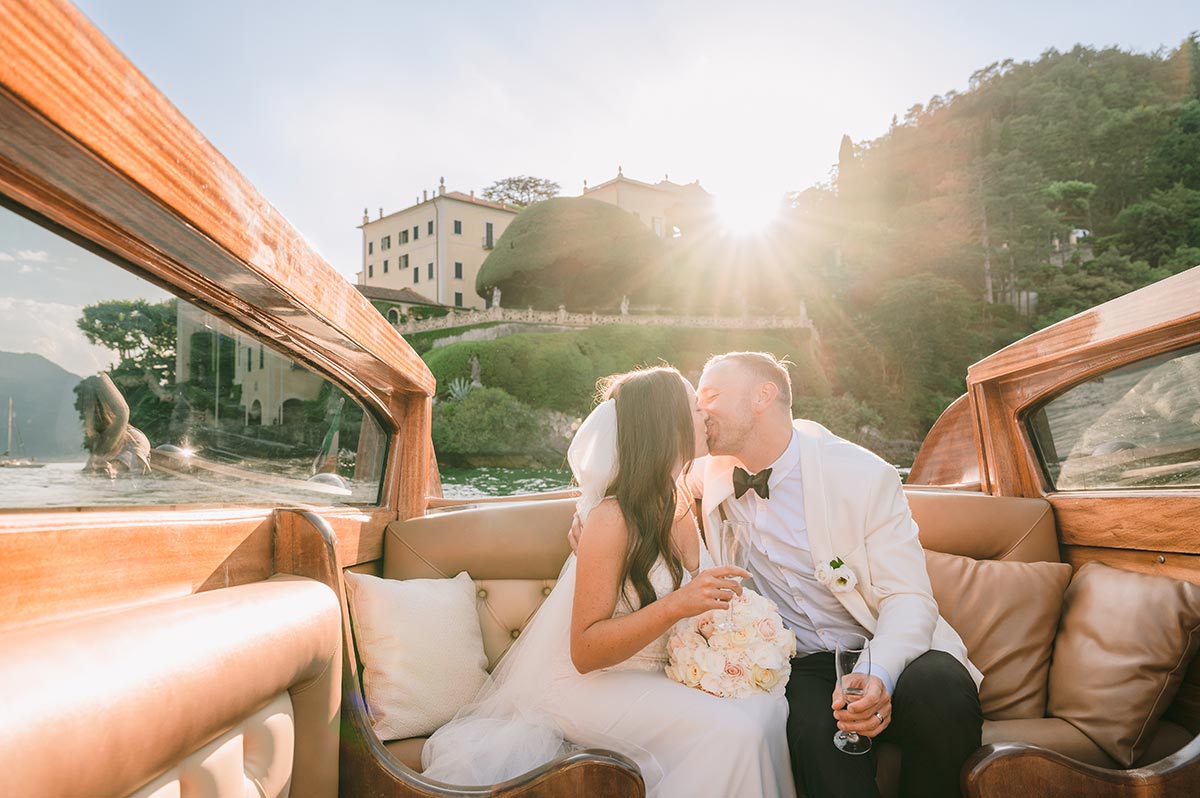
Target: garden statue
column 475, row 381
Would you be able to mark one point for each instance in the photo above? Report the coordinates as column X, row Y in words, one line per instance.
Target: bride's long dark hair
column 655, row 432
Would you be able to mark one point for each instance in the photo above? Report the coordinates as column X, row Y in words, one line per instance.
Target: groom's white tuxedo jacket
column 855, row 511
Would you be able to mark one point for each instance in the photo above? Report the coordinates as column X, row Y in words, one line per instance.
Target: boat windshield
column 123, row 394
column 1133, row 427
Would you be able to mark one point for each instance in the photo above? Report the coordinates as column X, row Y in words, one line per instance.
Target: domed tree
column 572, row 251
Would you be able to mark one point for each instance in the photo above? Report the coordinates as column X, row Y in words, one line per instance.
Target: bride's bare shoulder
column 606, row 521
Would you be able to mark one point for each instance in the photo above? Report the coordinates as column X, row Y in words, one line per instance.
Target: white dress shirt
column 781, row 564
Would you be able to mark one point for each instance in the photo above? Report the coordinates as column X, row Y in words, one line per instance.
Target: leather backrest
column 118, row 703
column 513, row 552
column 985, row 527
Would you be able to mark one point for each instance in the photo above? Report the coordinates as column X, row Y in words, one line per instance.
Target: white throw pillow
column 420, row 649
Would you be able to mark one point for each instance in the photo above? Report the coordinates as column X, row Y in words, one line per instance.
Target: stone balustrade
column 562, row 318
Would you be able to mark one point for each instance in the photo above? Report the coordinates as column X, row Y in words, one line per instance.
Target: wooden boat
column 155, row 649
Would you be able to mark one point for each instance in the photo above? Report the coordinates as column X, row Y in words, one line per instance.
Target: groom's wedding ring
column 879, row 716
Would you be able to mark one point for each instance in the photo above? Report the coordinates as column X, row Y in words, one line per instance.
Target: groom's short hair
column 763, row 366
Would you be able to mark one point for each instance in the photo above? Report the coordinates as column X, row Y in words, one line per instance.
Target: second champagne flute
column 735, row 539
column 853, row 653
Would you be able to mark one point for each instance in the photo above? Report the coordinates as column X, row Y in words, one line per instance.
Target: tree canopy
column 1047, row 187
column 521, row 190
column 583, row 253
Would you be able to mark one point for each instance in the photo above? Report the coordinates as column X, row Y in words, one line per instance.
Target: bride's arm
column 599, row 640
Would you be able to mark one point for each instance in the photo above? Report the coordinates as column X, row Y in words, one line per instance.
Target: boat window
column 115, row 392
column 1134, row 427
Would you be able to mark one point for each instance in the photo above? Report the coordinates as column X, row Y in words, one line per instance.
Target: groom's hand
column 868, row 714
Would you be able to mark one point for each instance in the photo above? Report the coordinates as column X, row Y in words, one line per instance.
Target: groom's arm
column 900, row 586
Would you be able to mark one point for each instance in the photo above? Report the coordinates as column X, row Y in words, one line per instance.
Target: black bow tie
column 743, row 481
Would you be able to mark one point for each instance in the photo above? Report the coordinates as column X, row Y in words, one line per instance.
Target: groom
column 813, row 499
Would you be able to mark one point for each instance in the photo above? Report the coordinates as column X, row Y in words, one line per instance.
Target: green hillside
column 43, row 407
column 1046, row 188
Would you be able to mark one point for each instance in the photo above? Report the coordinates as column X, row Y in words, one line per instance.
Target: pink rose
column 734, row 669
column 767, row 627
column 706, row 626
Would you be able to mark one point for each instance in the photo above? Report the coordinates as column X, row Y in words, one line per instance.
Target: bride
column 589, row 669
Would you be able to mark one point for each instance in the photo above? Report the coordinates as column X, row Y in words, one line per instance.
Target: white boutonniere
column 836, row 575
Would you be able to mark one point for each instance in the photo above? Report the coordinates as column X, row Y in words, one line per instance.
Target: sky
column 330, row 108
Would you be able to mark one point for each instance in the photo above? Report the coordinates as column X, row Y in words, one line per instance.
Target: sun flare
column 746, row 215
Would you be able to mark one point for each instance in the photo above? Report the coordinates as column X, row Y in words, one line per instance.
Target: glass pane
column 114, row 392
column 1136, row 426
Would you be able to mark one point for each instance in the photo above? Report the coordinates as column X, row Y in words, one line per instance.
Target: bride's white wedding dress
column 687, row 743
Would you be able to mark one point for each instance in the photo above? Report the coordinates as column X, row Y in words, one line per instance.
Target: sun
column 746, row 215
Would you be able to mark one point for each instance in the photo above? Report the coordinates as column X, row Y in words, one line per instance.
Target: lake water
column 65, row 485
column 468, row 483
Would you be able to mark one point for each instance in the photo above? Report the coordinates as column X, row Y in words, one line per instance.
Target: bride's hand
column 711, row 589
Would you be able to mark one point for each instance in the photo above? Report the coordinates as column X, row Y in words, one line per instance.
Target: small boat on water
column 6, row 460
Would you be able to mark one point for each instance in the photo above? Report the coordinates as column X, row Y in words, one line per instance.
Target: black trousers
column 936, row 721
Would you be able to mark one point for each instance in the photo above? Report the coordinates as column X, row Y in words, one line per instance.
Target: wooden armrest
column 1007, row 769
column 368, row 770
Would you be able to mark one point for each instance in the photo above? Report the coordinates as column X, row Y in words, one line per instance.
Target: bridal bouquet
column 733, row 653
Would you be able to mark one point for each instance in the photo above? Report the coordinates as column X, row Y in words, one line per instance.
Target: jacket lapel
column 822, row 541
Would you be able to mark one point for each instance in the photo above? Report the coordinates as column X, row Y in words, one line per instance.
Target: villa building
column 433, row 248
column 669, row 209
column 397, row 304
column 236, row 368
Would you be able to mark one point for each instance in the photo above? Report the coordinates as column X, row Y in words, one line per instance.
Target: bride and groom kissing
column 589, row 671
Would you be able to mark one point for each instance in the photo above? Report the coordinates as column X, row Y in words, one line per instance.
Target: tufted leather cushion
column 514, row 554
column 421, row 650
column 1007, row 614
column 1120, row 655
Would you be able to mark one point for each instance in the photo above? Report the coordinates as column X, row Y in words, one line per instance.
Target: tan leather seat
column 514, row 553
column 224, row 693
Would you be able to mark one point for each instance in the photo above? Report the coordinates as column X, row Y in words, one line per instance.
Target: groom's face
column 724, row 396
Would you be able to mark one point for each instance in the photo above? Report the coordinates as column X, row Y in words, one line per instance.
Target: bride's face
column 698, row 421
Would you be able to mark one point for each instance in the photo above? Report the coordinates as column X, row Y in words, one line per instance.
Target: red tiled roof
column 406, row 295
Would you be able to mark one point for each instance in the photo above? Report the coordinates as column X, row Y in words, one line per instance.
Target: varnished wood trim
column 948, row 453
column 413, row 463
column 1184, row 567
column 86, row 94
column 62, row 564
column 1159, row 520
column 1013, row 769
column 1167, row 304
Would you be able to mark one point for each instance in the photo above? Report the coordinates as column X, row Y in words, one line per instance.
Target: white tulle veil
column 510, row 728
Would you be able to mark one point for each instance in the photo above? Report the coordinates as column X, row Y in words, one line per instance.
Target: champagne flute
column 853, row 651
column 735, row 540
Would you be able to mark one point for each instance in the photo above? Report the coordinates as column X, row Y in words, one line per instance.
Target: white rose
column 843, row 580
column 824, row 573
column 764, row 678
column 766, row 656
column 692, row 675
column 713, row 683
column 710, row 661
